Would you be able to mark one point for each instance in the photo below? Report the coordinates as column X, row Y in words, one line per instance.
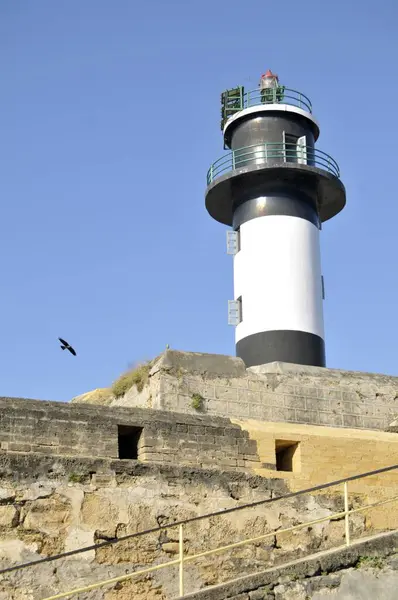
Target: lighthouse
column 274, row 188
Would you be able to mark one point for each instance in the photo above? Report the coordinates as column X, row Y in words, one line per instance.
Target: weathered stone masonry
column 51, row 504
column 55, row 428
column 276, row 392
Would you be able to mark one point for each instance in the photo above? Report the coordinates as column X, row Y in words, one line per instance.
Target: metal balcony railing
column 235, row 100
column 184, row 558
column 279, row 95
column 272, row 154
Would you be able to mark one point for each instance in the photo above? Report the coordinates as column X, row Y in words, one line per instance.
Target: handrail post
column 233, row 160
column 346, row 516
column 211, row 173
column 181, row 557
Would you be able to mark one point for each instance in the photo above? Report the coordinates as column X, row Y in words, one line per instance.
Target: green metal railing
column 272, row 153
column 277, row 95
column 235, row 100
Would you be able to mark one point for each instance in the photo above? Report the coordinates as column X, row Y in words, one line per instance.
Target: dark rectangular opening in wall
column 128, row 438
column 286, row 455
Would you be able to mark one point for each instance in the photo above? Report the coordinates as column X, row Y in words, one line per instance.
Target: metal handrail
column 182, row 559
column 276, row 96
column 279, row 95
column 277, row 152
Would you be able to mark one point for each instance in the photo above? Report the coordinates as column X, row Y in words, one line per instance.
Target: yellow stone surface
column 326, row 454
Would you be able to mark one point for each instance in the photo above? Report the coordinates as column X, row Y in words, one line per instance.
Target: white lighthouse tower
column 274, row 188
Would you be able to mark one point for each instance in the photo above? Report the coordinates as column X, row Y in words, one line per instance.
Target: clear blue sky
column 109, row 120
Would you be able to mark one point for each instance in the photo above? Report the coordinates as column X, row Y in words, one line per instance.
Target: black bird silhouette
column 67, row 346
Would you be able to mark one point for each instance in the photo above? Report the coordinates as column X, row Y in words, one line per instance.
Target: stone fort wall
column 56, row 428
column 52, row 504
column 72, row 474
column 278, row 392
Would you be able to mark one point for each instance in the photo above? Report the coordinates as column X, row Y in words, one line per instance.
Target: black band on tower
column 297, row 347
column 274, row 205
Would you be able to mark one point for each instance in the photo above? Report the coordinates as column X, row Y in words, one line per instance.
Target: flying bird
column 67, row 346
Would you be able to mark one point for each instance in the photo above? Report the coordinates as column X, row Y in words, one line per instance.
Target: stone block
column 294, row 402
column 6, row 494
column 252, row 464
column 184, row 402
column 329, row 393
column 207, row 447
column 248, row 448
column 266, row 465
column 329, row 418
column 249, row 396
column 226, row 393
column 383, row 410
column 238, row 433
column 336, row 405
column 19, row 447
column 228, row 462
column 168, row 385
column 268, row 413
column 207, row 390
column 104, row 479
column 307, row 416
column 218, row 407
column 256, row 411
column 240, row 410
column 168, row 401
column 259, row 594
column 182, row 428
column 9, row 516
column 229, row 445
column 207, row 440
column 355, row 408
column 152, row 457
column 188, row 443
column 173, row 439
column 219, row 453
column 352, row 421
column 285, row 388
column 308, row 392
column 373, row 423
column 150, row 441
column 349, row 396
column 258, row 385
column 317, row 404
column 211, row 365
column 272, row 399
column 208, row 463
column 283, row 414
column 196, row 429
column 170, row 547
column 184, row 384
column 215, row 431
